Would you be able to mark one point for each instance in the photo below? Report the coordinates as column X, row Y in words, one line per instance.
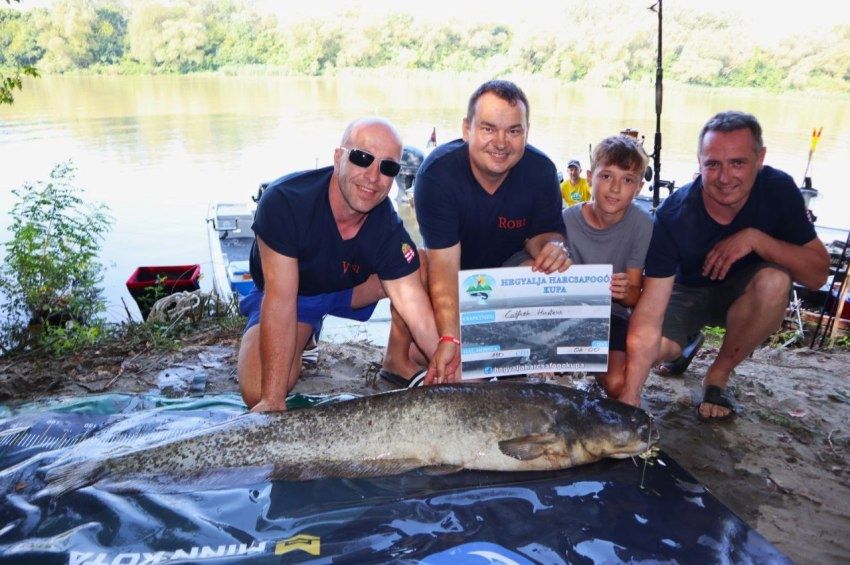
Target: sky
column 768, row 19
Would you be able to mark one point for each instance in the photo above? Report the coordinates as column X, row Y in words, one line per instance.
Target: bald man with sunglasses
column 329, row 242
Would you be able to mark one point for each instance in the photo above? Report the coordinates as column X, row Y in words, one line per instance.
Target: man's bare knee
column 248, row 366
column 770, row 285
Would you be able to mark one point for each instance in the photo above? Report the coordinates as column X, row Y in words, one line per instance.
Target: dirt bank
column 781, row 465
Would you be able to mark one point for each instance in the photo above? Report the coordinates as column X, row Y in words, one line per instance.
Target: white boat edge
column 219, row 222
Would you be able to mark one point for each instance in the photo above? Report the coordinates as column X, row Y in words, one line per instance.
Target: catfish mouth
column 647, row 437
column 649, row 432
column 623, row 444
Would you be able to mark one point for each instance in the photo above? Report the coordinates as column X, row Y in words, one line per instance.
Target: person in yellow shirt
column 575, row 189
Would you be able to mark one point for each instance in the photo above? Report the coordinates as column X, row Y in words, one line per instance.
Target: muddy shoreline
column 781, row 465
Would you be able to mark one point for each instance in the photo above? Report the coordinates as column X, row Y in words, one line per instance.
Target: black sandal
column 417, row 380
column 678, row 366
column 719, row 397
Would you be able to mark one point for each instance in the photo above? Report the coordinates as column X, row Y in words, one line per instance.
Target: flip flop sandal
column 418, row 379
column 398, row 381
column 679, row 365
column 719, row 397
column 310, row 355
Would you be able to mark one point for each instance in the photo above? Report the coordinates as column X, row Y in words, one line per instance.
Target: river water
column 158, row 150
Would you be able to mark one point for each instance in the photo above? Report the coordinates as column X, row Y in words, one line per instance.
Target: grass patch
column 714, row 335
column 209, row 322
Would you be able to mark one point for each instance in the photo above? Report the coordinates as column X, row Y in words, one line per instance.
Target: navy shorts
column 619, row 330
column 311, row 309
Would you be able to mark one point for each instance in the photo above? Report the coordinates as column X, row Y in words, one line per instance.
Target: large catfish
column 488, row 426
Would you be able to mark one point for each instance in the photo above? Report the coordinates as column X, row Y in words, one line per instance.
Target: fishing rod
column 830, row 313
column 659, row 76
column 832, row 310
column 816, row 133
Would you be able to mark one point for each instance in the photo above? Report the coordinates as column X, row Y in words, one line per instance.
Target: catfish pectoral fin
column 529, row 447
column 439, row 470
column 305, row 471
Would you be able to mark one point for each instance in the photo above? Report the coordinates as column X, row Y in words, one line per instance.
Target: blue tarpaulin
column 610, row 511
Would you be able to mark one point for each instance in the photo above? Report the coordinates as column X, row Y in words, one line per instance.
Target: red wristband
column 450, row 338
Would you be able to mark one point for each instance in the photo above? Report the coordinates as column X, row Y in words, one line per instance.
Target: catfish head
column 572, row 428
column 617, row 430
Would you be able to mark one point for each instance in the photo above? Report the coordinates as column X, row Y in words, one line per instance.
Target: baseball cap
column 574, row 163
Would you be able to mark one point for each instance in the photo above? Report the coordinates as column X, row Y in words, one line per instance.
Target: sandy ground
column 781, row 465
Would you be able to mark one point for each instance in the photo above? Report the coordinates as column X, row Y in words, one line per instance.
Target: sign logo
column 479, row 286
column 304, row 542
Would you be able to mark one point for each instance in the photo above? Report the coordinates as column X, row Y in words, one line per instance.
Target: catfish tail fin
column 67, row 478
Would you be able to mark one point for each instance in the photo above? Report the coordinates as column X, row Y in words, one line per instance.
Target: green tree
column 537, row 54
column 77, row 34
column 472, row 46
column 12, row 45
column 603, row 42
column 50, row 274
column 759, row 70
column 705, row 49
column 18, row 40
column 311, row 47
column 363, row 45
column 238, row 35
column 110, row 35
column 488, row 40
column 67, row 33
column 438, row 43
column 822, row 61
column 169, row 37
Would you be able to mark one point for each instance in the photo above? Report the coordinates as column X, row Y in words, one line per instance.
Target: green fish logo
column 479, row 286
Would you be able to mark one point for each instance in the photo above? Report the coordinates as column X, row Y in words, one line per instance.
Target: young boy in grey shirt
column 612, row 229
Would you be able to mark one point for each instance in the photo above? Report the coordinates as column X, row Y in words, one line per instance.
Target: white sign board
column 515, row 321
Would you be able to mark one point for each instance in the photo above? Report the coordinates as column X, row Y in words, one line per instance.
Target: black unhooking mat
column 607, row 512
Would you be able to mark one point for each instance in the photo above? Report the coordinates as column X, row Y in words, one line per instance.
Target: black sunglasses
column 363, row 159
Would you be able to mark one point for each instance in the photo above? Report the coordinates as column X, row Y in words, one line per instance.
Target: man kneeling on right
column 724, row 252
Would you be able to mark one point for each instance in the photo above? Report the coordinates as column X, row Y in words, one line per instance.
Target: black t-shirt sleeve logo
column 408, row 252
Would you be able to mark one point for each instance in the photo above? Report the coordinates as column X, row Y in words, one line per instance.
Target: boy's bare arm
column 626, row 287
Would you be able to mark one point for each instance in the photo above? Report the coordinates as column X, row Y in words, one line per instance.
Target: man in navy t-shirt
column 328, row 242
column 724, row 251
column 484, row 201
